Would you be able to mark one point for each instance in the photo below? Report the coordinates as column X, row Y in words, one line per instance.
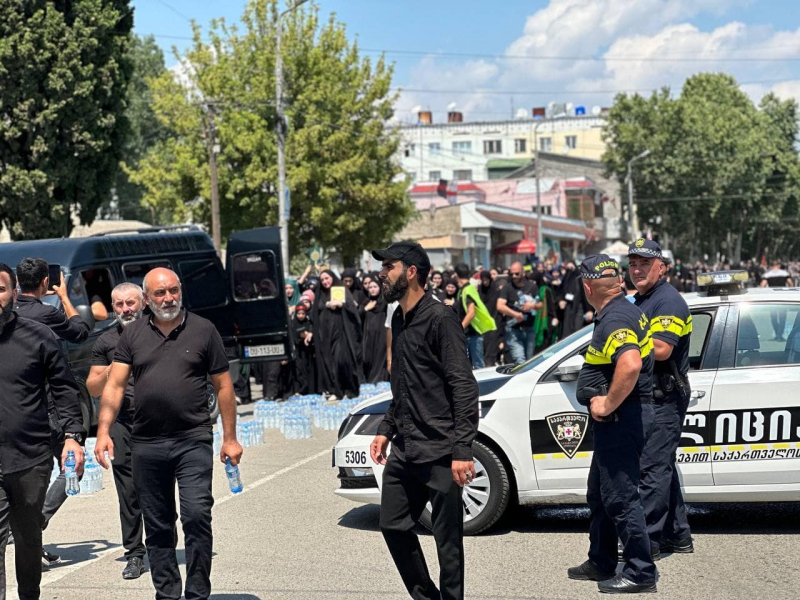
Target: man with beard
column 431, row 422
column 128, row 302
column 171, row 355
column 32, row 364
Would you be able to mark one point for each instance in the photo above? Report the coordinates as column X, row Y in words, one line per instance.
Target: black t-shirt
column 170, row 375
column 618, row 328
column 462, row 312
column 670, row 321
column 515, row 297
column 102, row 356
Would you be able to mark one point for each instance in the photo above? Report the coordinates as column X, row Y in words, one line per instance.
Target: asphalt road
column 287, row 536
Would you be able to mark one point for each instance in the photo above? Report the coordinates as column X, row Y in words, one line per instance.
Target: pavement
column 287, row 536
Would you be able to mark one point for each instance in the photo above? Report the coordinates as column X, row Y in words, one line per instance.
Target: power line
column 176, row 11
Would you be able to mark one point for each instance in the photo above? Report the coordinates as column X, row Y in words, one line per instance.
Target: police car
column 741, row 436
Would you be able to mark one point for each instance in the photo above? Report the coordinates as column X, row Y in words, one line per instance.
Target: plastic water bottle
column 234, row 479
column 73, row 487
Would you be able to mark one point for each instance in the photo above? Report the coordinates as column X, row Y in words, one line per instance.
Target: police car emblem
column 568, row 430
column 640, row 242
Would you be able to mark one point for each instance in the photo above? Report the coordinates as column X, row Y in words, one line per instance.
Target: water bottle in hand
column 234, row 479
column 73, row 486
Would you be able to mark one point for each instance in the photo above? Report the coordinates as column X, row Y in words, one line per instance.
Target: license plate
column 352, row 458
column 268, row 350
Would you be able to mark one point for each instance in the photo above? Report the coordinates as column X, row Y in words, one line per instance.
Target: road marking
column 263, row 480
column 61, row 572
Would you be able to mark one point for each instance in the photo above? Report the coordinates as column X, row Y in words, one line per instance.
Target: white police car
column 741, row 437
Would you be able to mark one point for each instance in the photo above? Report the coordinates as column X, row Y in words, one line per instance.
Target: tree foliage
column 339, row 152
column 63, row 75
column 722, row 176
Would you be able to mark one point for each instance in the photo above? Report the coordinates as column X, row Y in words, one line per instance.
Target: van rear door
column 255, row 276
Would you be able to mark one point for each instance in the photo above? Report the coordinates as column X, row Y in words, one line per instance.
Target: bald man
column 171, row 355
column 518, row 302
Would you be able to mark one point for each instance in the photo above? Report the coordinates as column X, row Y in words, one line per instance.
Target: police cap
column 594, row 267
column 645, row 249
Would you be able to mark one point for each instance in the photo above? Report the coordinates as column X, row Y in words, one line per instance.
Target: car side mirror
column 570, row 368
column 85, row 313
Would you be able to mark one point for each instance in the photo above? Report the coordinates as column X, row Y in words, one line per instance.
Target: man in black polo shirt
column 616, row 383
column 31, row 361
column 518, row 301
column 171, row 354
column 671, row 326
column 128, row 302
column 431, row 422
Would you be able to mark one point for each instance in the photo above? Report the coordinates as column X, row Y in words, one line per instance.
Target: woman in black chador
column 373, row 317
column 337, row 339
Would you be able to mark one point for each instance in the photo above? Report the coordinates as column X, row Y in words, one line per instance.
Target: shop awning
column 518, row 247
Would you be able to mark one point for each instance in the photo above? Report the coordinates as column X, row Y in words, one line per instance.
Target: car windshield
column 537, row 359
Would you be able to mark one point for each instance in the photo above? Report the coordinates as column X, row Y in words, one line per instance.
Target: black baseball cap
column 592, row 267
column 645, row 249
column 409, row 252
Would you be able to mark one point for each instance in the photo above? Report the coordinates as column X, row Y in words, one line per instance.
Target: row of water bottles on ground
column 92, row 480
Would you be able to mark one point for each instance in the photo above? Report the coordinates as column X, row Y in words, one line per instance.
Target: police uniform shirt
column 170, row 375
column 102, row 356
column 670, row 321
column 619, row 327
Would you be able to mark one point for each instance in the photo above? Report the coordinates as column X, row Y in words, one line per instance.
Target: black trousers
column 613, row 494
column 156, row 467
column 407, row 488
column 660, row 487
column 130, row 515
column 21, row 500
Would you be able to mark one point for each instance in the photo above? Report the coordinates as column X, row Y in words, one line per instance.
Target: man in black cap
column 431, row 422
column 616, row 384
column 671, row 328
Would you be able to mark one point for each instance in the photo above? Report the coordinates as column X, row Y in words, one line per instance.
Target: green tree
column 63, row 75
column 145, row 130
column 721, row 171
column 340, row 167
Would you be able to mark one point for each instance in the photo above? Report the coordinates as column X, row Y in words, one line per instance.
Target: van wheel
column 486, row 497
column 213, row 404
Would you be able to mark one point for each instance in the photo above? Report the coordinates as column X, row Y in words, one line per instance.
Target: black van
column 245, row 300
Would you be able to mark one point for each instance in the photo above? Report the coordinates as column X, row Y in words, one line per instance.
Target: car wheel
column 486, row 497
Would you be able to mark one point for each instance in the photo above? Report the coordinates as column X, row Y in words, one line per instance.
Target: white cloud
column 659, row 31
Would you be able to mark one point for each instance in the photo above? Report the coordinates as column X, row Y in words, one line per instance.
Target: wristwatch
column 74, row 436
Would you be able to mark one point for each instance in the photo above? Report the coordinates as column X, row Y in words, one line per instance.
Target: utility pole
column 629, row 181
column 280, row 130
column 213, row 150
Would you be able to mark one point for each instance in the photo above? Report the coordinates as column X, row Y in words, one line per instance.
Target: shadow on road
column 729, row 519
column 76, row 553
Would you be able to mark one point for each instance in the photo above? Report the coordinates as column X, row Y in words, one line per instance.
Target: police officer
column 671, row 328
column 616, row 383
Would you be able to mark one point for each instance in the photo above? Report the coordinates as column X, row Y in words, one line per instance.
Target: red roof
column 518, row 247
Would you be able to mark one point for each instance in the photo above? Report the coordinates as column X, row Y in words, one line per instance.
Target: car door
column 561, row 431
column 256, row 283
column 755, row 408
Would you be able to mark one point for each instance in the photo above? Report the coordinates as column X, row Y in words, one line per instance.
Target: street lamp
column 280, row 127
column 629, row 181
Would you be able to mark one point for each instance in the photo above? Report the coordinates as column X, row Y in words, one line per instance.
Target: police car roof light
column 722, row 283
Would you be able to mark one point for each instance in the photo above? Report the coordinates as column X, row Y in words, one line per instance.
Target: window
column 203, row 282
column 434, row 148
column 546, row 210
column 254, row 276
column 462, row 147
column 92, row 287
column 411, row 150
column 520, row 146
column 768, row 334
column 135, row 272
column 412, row 176
column 434, row 175
column 463, row 175
column 492, row 147
column 701, row 326
column 545, row 144
column 571, row 141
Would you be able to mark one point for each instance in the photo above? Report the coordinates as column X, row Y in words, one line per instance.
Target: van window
column 204, row 283
column 93, row 287
column 254, row 276
column 135, row 272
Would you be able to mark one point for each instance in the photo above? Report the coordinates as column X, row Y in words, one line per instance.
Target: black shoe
column 622, row 585
column 588, row 571
column 134, row 569
column 49, row 559
column 655, row 552
column 684, row 546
